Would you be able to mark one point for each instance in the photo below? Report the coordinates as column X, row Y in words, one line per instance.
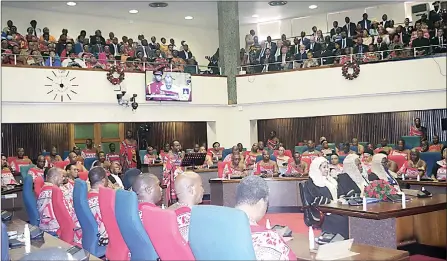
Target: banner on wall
column 168, row 86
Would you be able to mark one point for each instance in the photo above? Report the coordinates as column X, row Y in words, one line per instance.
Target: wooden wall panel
column 366, row 127
column 188, row 133
column 34, row 137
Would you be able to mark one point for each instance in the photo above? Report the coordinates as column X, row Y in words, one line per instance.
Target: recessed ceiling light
column 189, row 17
column 255, row 16
column 277, row 3
column 71, row 3
column 313, row 6
column 158, row 4
column 133, row 11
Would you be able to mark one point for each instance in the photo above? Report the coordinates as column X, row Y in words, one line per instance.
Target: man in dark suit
column 295, row 48
column 345, row 42
column 439, row 42
column 349, row 28
column 270, row 45
column 145, row 49
column 407, row 28
column 435, row 14
column 115, row 48
column 359, row 47
column 268, row 61
column 185, row 54
column 303, row 40
column 385, row 23
column 381, row 45
column 422, row 43
column 404, row 38
column 334, row 30
column 283, row 59
column 315, row 47
column 365, row 23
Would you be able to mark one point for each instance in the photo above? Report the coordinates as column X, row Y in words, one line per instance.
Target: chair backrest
column 300, row 149
column 312, row 216
column 363, row 143
column 24, row 169
column 29, row 201
column 430, row 158
column 259, row 158
column 116, row 249
column 225, row 152
column 5, row 243
column 142, row 153
column 341, row 159
column 318, row 147
column 331, row 146
column 61, row 164
column 131, row 228
column 230, row 240
column 66, row 224
column 38, row 184
column 307, row 160
column 220, row 168
column 411, row 141
column 354, row 148
column 88, row 162
column 399, row 159
column 86, row 219
column 46, row 153
column 65, row 154
column 83, row 175
column 161, row 226
column 287, row 153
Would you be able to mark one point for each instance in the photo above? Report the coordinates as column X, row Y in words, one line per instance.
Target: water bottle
column 418, row 178
column 364, row 203
column 267, row 224
column 27, row 238
column 404, row 203
column 311, row 238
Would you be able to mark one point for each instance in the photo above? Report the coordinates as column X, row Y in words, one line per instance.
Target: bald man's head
column 189, row 189
column 147, row 188
column 54, row 176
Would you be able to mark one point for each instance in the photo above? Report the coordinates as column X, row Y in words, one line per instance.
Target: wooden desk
column 435, row 187
column 207, row 175
column 15, row 205
column 156, row 169
column 300, row 246
column 387, row 224
column 284, row 196
column 48, row 241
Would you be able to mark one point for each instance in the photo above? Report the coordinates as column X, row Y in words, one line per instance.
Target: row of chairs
column 157, row 236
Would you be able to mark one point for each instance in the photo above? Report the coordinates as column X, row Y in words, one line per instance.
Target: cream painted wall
column 202, row 42
column 320, row 92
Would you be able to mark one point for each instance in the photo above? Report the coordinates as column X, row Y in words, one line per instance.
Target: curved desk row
column 435, row 187
column 284, row 194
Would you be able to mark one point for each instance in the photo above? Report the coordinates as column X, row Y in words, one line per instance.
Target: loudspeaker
column 444, row 124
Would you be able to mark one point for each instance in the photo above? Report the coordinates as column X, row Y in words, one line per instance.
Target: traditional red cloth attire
column 272, row 144
column 16, row 163
column 88, row 153
column 36, row 172
column 112, row 156
column 250, row 159
column 7, row 177
column 267, row 167
column 268, row 245
column 416, row 132
column 171, row 170
column 128, row 154
column 93, row 203
column 183, row 220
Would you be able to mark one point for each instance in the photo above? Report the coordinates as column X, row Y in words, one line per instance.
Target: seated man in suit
column 439, row 42
column 359, row 47
column 284, row 59
column 268, row 61
column 315, row 47
column 252, row 195
column 422, row 43
column 97, row 177
column 345, row 42
column 185, row 54
column 188, row 186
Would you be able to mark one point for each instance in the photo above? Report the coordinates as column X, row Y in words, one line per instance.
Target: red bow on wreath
column 350, row 65
column 111, row 75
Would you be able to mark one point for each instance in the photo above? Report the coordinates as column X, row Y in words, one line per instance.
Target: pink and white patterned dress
column 36, row 172
column 93, row 203
column 8, row 178
column 441, row 174
column 268, row 245
column 47, row 219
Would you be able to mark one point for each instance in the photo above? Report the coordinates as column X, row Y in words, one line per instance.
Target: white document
column 336, row 250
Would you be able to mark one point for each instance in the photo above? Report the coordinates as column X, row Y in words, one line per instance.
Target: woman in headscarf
column 322, row 189
column 335, row 167
column 379, row 170
column 354, row 179
column 414, row 166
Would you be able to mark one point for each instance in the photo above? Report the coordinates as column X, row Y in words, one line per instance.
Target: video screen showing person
column 168, row 86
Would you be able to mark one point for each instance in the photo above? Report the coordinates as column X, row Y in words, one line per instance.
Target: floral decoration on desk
column 380, row 189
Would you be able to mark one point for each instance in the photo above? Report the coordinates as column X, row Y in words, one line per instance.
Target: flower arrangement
column 115, row 75
column 350, row 65
column 380, row 189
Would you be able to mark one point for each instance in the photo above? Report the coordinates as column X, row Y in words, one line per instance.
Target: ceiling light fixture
column 133, row 11
column 313, row 6
column 255, row 16
column 158, row 4
column 71, row 3
column 189, row 17
column 277, row 3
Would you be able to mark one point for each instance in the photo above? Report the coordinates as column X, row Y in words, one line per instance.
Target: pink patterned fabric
column 268, row 245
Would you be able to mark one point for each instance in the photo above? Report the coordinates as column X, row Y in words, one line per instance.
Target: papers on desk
column 336, row 250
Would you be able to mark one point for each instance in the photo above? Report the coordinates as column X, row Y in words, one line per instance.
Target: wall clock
column 61, row 85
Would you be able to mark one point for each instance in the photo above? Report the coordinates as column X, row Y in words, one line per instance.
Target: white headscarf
column 353, row 171
column 377, row 167
column 322, row 181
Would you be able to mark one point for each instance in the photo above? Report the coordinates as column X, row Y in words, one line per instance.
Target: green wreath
column 350, row 65
column 111, row 75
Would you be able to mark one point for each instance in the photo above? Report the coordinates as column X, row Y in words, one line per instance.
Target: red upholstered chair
column 38, row 184
column 287, row 153
column 83, row 175
column 220, row 168
column 162, row 228
column 61, row 164
column 116, row 249
column 307, row 160
column 400, row 160
column 66, row 224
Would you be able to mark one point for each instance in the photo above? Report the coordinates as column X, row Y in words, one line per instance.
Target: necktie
column 343, row 43
column 361, row 49
column 349, row 31
column 115, row 50
column 366, row 26
column 35, row 33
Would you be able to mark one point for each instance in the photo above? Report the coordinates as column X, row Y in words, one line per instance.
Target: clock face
column 61, row 85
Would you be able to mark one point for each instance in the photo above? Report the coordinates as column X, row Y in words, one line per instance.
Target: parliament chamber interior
column 230, row 130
